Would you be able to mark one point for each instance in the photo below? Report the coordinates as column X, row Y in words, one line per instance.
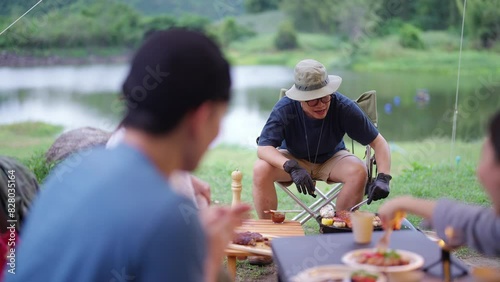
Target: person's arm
column 382, row 154
column 219, row 224
column 475, row 226
column 271, row 155
column 299, row 175
column 420, row 207
column 201, row 192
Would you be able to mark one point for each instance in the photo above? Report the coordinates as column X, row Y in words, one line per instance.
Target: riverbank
column 385, row 54
column 14, row 59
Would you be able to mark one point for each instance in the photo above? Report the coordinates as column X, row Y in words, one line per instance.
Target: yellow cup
column 362, row 226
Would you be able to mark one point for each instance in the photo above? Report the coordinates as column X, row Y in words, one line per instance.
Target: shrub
column 409, row 37
column 231, row 31
column 286, row 37
column 194, row 22
column 258, row 6
column 38, row 165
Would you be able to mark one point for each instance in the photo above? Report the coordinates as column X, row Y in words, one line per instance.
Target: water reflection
column 87, row 96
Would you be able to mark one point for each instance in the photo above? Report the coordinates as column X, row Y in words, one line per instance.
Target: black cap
column 173, row 72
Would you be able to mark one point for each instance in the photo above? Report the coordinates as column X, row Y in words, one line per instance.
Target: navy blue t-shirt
column 288, row 126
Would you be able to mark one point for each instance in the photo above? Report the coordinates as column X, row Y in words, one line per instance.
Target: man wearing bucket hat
column 302, row 140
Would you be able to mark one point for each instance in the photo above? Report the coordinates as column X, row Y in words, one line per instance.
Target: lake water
column 410, row 107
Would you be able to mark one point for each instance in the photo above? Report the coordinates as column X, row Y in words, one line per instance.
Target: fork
column 383, row 242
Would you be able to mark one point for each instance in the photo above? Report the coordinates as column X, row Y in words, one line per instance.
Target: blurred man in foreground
column 114, row 217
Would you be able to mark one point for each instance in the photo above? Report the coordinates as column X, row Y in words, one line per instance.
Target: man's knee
column 261, row 171
column 357, row 173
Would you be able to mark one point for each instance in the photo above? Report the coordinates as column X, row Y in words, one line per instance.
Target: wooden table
column 286, row 229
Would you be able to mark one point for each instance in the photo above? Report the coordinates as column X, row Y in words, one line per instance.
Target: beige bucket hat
column 312, row 81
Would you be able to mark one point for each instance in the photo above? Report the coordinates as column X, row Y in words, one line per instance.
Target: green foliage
column 286, row 38
column 442, row 40
column 425, row 14
column 38, row 165
column 353, row 19
column 311, row 16
column 432, row 15
column 409, row 37
column 258, row 6
column 210, row 9
column 151, row 24
column 56, row 29
column 99, row 24
column 390, row 26
column 482, row 21
column 265, row 22
column 230, row 31
column 194, row 22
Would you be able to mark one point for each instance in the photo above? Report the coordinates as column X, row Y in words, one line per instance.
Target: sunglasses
column 315, row 102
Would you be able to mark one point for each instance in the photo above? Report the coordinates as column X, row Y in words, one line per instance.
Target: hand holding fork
column 383, row 243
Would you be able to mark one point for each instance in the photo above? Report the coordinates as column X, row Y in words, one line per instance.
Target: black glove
column 379, row 189
column 300, row 177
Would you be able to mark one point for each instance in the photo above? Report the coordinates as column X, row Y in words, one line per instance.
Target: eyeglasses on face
column 315, row 102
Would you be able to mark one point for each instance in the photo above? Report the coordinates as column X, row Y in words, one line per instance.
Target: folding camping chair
column 368, row 103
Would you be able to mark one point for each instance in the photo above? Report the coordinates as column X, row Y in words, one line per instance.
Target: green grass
column 259, row 50
column 22, row 140
column 83, row 52
column 374, row 54
column 262, row 23
column 422, row 169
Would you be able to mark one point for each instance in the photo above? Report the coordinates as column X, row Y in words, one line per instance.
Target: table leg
column 231, row 266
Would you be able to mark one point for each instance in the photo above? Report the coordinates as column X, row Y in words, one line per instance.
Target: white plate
column 330, row 273
column 416, row 261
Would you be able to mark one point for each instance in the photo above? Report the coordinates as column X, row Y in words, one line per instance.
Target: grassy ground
column 374, row 54
column 419, row 169
column 423, row 169
column 22, row 140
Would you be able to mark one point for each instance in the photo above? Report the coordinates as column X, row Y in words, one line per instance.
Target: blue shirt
column 288, row 127
column 109, row 215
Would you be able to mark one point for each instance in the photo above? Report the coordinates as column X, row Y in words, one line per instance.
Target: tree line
column 84, row 23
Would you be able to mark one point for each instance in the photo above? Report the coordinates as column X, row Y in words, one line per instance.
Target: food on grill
column 344, row 215
column 381, row 258
column 327, row 211
column 328, row 221
column 339, row 223
column 363, row 276
column 278, row 217
column 376, row 221
column 248, row 238
column 342, row 220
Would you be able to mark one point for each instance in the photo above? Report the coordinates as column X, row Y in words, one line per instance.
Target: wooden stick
column 284, row 211
column 257, row 251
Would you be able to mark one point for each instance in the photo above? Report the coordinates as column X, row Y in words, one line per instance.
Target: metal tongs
column 356, row 207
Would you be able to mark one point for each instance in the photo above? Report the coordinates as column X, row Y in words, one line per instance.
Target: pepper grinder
column 236, row 186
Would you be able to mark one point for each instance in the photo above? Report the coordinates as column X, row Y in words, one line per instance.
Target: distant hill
column 214, row 9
